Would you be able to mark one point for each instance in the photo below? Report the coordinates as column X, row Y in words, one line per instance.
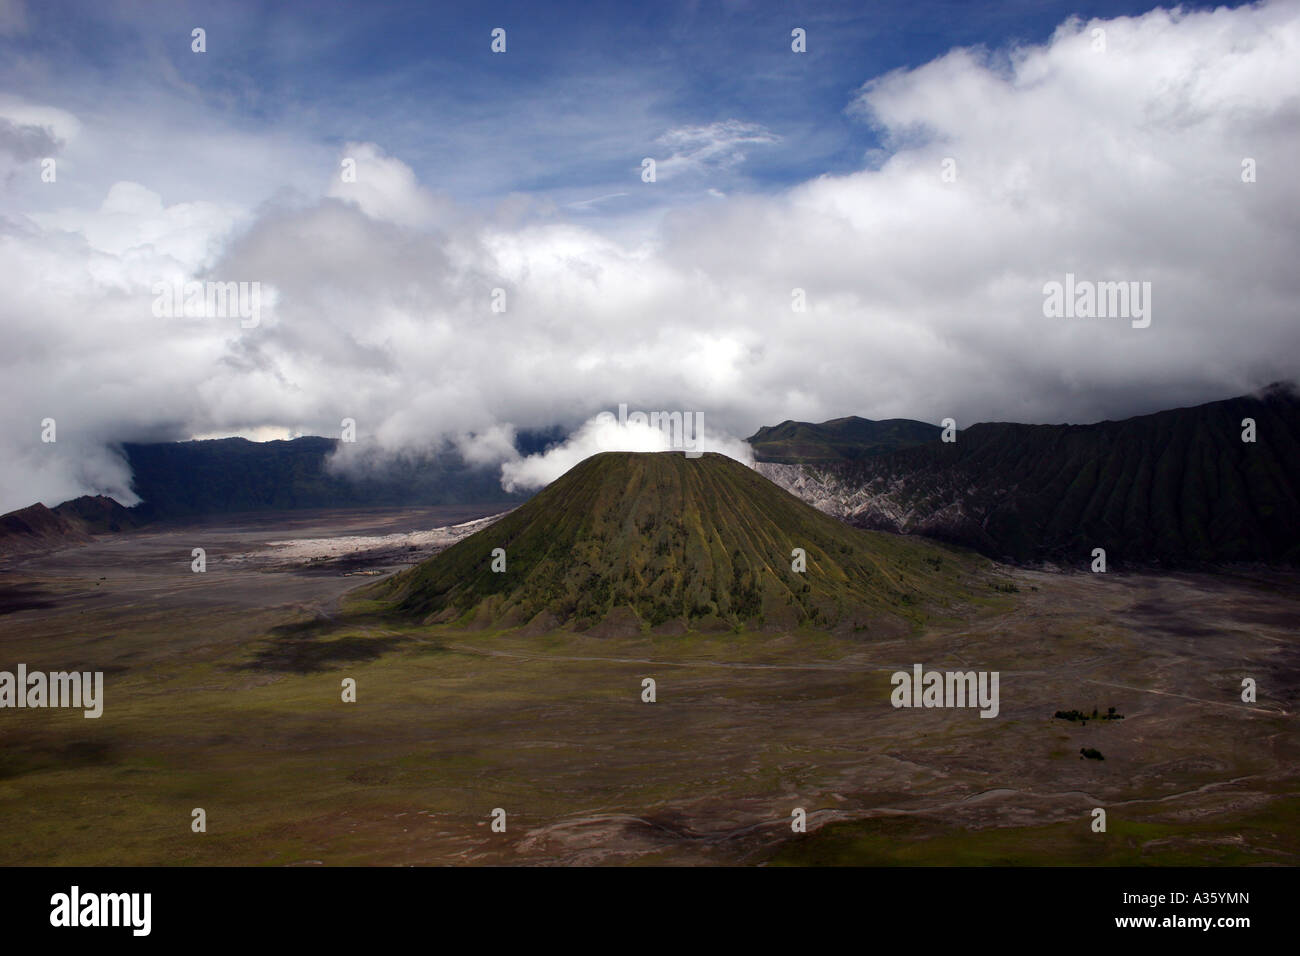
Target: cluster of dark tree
column 1090, row 753
column 1073, row 715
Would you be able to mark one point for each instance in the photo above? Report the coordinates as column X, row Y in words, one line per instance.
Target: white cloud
column 61, row 124
column 495, row 444
column 385, row 188
column 715, row 146
column 133, row 219
column 602, row 433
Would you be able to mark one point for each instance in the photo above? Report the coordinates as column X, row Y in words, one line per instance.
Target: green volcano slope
column 633, row 540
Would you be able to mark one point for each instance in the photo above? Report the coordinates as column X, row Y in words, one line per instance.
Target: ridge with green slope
column 656, row 540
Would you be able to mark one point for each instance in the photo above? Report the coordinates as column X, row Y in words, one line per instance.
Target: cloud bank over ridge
column 922, row 271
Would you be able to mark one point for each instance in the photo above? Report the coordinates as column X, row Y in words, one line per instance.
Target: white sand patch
column 309, row 549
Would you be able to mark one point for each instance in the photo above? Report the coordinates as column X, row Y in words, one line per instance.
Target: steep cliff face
column 1179, row 487
column 883, row 503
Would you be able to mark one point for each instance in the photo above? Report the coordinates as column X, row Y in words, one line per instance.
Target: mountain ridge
column 1177, row 487
column 234, row 475
column 38, row 528
column 837, row 439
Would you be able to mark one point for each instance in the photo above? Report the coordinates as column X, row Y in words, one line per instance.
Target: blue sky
column 581, row 95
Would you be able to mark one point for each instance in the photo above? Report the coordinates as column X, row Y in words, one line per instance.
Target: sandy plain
column 222, row 691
